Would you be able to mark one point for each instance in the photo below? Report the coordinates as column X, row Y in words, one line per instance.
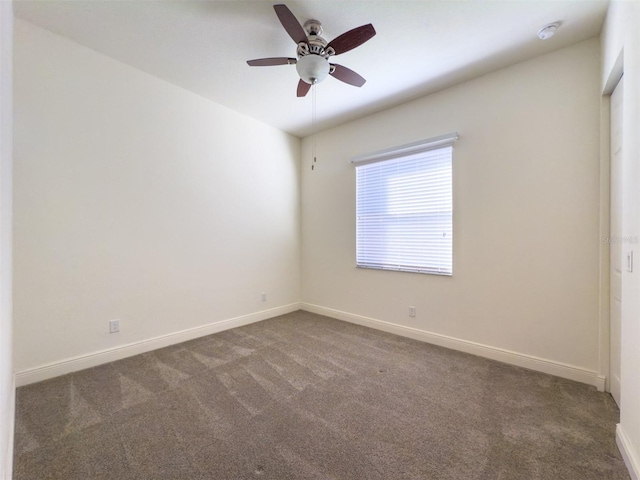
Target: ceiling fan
column 314, row 51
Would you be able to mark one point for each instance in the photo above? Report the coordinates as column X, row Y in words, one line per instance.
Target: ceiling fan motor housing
column 312, row 65
column 315, row 44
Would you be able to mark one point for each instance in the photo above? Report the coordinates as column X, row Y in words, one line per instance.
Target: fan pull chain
column 313, row 124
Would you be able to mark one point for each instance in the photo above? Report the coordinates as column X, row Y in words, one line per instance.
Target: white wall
column 526, row 218
column 7, row 389
column 137, row 200
column 621, row 50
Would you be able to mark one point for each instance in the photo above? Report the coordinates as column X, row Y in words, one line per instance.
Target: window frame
column 409, row 152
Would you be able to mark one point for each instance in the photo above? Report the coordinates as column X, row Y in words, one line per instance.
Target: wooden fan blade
column 303, row 88
column 290, row 23
column 347, row 75
column 267, row 62
column 352, row 39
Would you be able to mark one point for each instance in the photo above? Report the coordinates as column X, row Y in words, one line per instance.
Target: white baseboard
column 506, row 356
column 630, row 457
column 81, row 362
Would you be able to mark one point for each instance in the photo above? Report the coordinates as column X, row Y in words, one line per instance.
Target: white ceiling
column 420, row 46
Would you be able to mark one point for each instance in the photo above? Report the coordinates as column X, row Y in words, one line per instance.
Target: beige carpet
column 306, row 397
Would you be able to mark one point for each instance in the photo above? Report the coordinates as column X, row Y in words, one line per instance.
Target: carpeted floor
column 306, row 397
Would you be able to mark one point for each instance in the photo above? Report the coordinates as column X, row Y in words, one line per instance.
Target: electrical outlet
column 412, row 311
column 114, row 326
column 264, row 297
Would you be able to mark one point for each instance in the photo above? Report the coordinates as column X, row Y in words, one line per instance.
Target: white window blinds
column 404, row 208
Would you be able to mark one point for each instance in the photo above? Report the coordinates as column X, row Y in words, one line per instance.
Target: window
column 404, row 208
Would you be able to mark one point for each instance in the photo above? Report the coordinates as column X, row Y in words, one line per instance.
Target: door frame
column 605, row 217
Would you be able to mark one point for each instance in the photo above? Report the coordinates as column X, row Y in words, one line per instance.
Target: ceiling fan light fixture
column 313, row 68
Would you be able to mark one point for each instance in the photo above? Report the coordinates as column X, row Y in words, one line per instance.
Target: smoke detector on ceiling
column 548, row 31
